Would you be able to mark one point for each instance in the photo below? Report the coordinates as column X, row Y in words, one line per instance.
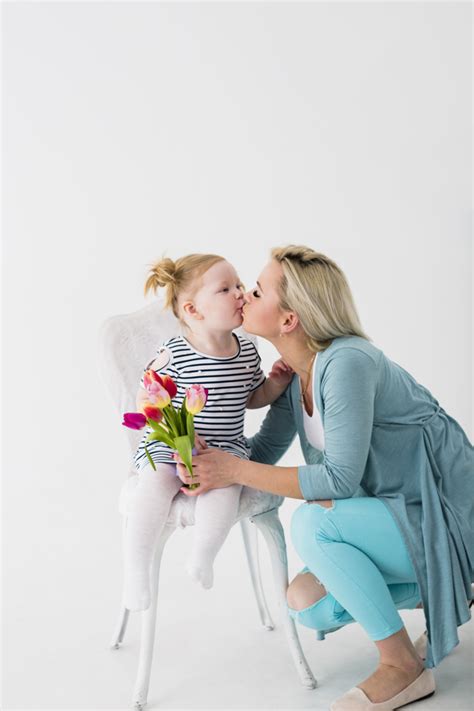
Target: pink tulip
column 196, row 397
column 159, row 397
column 151, row 381
column 152, row 413
column 150, row 377
column 134, row 420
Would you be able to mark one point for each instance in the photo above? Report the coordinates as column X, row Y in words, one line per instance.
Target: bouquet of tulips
column 174, row 427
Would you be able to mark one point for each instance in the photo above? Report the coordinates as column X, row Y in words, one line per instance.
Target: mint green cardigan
column 387, row 436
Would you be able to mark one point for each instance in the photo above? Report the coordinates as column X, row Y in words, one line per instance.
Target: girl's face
column 219, row 300
column 262, row 314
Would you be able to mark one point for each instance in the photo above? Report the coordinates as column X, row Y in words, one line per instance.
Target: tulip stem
column 149, row 458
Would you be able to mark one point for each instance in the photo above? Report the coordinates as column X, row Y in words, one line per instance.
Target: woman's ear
column 290, row 323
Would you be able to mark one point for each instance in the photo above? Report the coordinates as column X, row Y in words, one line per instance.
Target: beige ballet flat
column 421, row 644
column 356, row 700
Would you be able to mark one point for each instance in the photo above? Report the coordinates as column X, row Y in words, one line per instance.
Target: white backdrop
column 136, row 128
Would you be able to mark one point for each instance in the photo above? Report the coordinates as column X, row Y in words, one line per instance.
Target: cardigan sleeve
column 348, row 388
column 276, row 432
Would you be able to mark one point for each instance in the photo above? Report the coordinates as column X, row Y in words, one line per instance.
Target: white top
column 313, row 426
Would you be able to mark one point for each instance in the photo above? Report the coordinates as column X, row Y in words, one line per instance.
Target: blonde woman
column 388, row 517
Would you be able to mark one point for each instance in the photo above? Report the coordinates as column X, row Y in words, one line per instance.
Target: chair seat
column 252, row 502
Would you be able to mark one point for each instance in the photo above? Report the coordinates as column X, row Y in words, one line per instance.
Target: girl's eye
column 225, row 289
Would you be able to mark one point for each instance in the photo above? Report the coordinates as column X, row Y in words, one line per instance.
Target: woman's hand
column 212, row 469
column 199, row 442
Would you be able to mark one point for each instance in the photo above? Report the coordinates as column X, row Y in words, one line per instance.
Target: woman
column 388, row 518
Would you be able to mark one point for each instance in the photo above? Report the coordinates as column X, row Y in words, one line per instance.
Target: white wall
column 130, row 129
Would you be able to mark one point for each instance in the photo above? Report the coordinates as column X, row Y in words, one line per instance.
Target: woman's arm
column 216, row 469
column 276, row 432
column 348, row 389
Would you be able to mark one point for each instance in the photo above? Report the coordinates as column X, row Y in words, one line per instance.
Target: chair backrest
column 127, row 343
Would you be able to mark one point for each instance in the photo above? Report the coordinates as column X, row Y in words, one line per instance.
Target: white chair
column 126, row 344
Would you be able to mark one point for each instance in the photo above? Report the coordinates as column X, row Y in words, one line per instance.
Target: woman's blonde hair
column 315, row 288
column 179, row 277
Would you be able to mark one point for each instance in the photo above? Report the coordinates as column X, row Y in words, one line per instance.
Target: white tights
column 215, row 514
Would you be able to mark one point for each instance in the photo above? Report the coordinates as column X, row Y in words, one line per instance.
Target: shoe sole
column 415, row 700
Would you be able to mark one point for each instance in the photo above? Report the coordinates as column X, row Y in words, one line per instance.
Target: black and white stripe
column 229, row 380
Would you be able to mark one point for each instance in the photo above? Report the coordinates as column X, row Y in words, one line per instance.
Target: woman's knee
column 310, row 605
column 305, row 523
column 304, row 591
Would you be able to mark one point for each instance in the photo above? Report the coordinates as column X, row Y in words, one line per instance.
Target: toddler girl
column 206, row 295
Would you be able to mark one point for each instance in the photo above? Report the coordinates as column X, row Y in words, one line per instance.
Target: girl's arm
column 275, row 385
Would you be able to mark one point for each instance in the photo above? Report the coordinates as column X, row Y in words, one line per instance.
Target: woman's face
column 261, row 313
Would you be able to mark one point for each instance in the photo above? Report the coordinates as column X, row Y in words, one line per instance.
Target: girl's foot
column 201, row 574
column 387, row 681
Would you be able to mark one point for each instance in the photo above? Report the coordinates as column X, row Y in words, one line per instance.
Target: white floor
column 210, row 651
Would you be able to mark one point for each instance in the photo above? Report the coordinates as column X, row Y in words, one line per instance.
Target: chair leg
column 122, row 622
column 120, row 628
column 147, row 637
column 250, row 536
column 272, row 530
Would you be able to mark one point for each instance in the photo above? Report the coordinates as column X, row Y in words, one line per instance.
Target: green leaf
column 190, row 428
column 161, row 437
column 183, row 414
column 183, row 445
column 169, row 421
column 153, row 424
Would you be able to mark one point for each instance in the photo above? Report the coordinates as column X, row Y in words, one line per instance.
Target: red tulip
column 169, row 385
column 152, row 413
column 134, row 420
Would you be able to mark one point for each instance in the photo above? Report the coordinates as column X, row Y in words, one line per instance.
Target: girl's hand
column 281, row 372
column 212, row 469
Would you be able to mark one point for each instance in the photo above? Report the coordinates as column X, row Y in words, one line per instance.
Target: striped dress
column 229, row 380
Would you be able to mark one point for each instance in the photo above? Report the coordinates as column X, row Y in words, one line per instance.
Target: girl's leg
column 214, row 515
column 147, row 517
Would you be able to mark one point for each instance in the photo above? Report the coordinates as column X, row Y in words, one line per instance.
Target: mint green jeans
column 357, row 552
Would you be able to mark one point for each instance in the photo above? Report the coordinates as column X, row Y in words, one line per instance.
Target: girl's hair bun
column 161, row 274
column 165, row 271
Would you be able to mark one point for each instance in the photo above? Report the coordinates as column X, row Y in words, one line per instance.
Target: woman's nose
column 246, row 297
